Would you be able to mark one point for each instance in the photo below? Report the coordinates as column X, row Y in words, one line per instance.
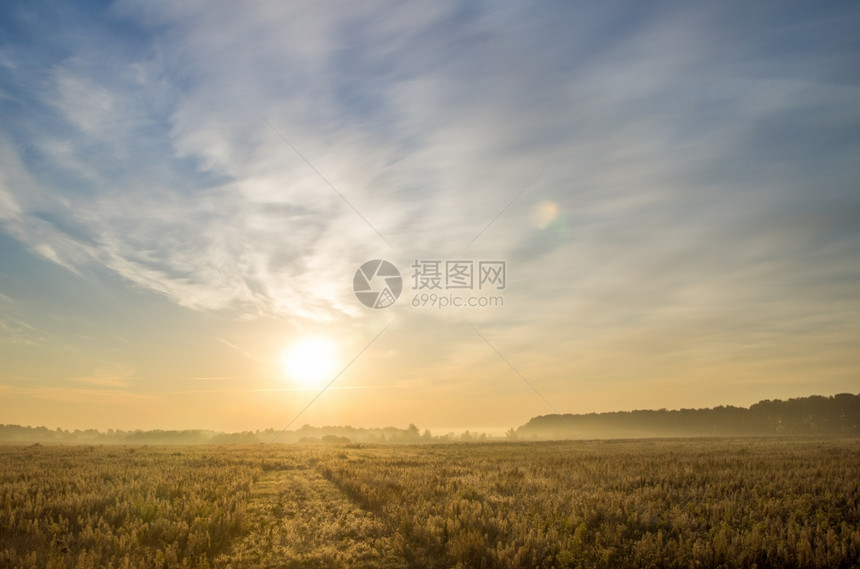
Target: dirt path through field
column 299, row 519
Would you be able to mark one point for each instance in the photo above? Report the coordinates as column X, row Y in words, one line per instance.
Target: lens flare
column 544, row 214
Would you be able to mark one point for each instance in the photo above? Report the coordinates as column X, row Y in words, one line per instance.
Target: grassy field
column 652, row 503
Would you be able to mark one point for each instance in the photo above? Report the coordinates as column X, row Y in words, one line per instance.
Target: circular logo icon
column 377, row 284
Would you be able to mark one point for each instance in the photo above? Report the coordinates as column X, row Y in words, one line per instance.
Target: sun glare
column 311, row 362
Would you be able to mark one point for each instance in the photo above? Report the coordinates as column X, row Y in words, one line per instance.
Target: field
column 655, row 503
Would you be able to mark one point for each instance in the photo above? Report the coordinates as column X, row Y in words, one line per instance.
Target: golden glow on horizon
column 311, row 362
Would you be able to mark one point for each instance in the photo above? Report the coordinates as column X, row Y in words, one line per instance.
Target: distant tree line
column 837, row 415
column 306, row 435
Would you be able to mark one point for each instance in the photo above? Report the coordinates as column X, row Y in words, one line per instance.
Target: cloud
column 429, row 120
column 116, row 376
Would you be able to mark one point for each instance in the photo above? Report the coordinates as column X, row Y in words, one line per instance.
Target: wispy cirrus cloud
column 108, row 377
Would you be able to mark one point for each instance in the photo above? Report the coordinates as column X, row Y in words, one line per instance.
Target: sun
column 311, row 362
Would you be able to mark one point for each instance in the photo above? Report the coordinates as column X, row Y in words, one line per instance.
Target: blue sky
column 157, row 226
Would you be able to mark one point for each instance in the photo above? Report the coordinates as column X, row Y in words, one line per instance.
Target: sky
column 188, row 190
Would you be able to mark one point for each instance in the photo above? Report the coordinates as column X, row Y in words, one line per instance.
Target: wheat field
column 652, row 503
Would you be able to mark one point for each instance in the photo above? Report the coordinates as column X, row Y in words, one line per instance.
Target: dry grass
column 711, row 503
